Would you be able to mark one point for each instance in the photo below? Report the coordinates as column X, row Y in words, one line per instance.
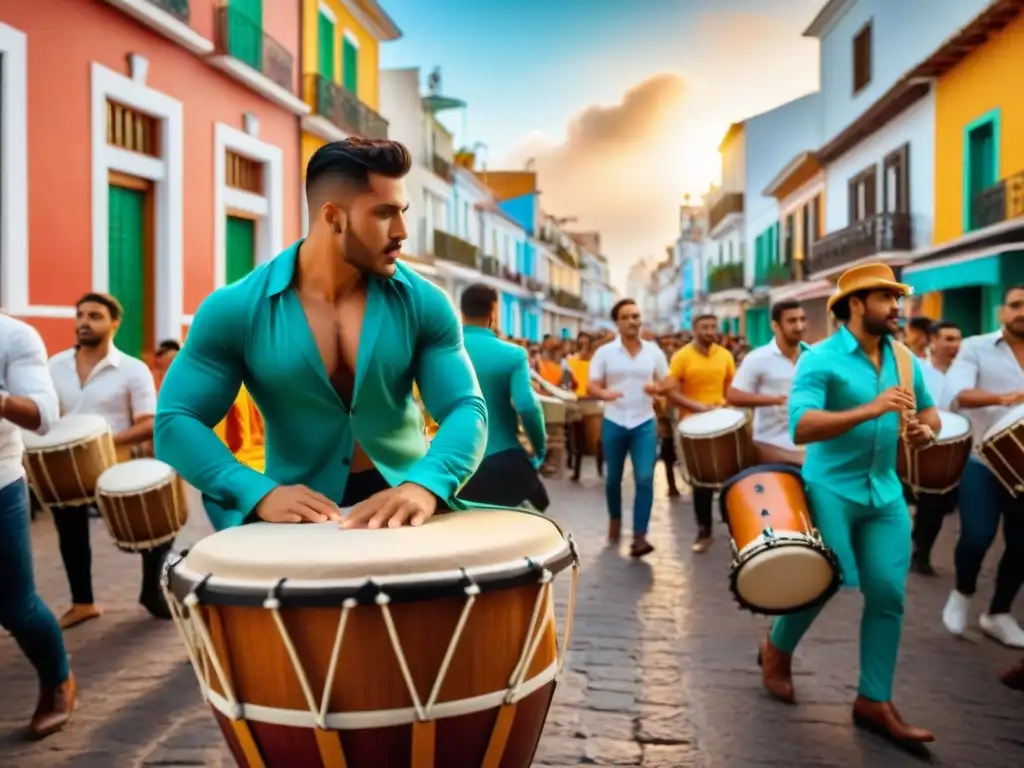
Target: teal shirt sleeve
column 810, row 387
column 200, row 386
column 528, row 406
column 922, row 396
column 452, row 397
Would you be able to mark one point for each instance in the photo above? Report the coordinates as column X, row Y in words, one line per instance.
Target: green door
column 245, row 31
column 350, row 66
column 325, row 41
column 240, row 247
column 126, row 249
column 982, row 158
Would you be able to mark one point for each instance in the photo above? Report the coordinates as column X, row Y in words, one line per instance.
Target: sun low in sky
column 620, row 104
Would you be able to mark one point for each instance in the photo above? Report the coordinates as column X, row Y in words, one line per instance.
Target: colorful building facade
column 150, row 150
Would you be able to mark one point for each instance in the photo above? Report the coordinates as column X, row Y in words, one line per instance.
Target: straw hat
column 867, row 277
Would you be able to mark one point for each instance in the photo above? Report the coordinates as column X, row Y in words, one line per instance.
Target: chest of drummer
column 703, row 378
column 120, row 388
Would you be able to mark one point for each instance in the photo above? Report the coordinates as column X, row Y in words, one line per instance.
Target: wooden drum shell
column 711, row 460
column 593, row 419
column 1003, row 452
column 141, row 520
column 935, row 469
column 65, row 476
column 765, row 499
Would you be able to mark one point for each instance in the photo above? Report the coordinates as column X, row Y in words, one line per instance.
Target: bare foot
column 78, row 614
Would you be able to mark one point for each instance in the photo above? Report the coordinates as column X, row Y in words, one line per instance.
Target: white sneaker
column 954, row 615
column 1004, row 628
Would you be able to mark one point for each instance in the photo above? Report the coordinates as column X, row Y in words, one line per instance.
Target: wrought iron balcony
column 441, row 167
column 725, row 277
column 344, row 109
column 730, row 202
column 455, row 249
column 490, row 266
column 1001, row 202
column 877, row 234
column 565, row 299
column 179, row 9
column 243, row 38
column 534, row 284
column 777, row 273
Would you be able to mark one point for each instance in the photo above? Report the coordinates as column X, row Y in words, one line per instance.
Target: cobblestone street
column 661, row 671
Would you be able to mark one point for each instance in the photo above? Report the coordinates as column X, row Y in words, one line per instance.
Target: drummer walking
column 703, row 370
column 984, row 383
column 506, row 477
column 854, row 492
column 28, row 401
column 627, row 374
column 763, row 382
column 95, row 377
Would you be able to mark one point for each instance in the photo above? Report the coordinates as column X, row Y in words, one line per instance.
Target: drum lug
column 769, row 535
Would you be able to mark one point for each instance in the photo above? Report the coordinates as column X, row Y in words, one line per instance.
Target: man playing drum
column 763, row 382
column 984, row 383
column 328, row 338
column 95, row 377
column 628, row 374
column 28, row 401
column 704, row 372
column 506, row 477
column 855, row 495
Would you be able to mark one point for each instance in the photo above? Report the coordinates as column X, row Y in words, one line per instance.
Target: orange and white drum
column 429, row 647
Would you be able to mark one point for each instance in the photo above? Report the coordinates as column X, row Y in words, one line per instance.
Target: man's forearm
column 594, row 389
column 744, row 399
column 817, row 426
column 136, row 433
column 21, row 411
column 685, row 402
column 456, row 450
column 976, row 398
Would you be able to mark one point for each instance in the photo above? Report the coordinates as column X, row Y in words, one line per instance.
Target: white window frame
column 167, row 174
column 268, row 208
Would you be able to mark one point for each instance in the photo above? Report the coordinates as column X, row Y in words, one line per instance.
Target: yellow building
column 341, row 70
column 979, row 173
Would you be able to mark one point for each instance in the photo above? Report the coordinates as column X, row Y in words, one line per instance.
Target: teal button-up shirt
column 836, row 375
column 255, row 332
column 503, row 371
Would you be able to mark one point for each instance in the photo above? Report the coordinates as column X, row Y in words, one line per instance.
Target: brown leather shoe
column 614, row 531
column 78, row 614
column 776, row 671
column 1014, row 677
column 881, row 717
column 54, row 710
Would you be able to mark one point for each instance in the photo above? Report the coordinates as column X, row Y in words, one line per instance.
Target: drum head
column 711, row 422
column 327, row 552
column 784, row 578
column 68, row 430
column 952, row 426
column 1012, row 416
column 134, row 476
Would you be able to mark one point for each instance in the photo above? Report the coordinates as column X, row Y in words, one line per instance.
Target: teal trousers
column 873, row 548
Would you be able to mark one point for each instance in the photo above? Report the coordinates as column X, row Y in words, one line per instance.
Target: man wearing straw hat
column 852, row 395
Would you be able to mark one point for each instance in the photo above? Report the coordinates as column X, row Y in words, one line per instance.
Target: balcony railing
column 441, row 167
column 490, row 266
column 565, row 299
column 731, row 202
column 725, row 277
column 344, row 109
column 777, row 273
column 179, row 9
column 242, row 38
column 867, row 237
column 533, row 284
column 451, row 248
column 1000, row 202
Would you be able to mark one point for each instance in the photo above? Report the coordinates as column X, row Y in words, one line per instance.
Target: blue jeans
column 641, row 444
column 22, row 611
column 983, row 501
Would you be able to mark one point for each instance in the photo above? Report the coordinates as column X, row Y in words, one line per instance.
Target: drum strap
column 905, row 374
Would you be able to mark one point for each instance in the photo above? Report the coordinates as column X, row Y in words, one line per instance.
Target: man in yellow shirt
column 704, row 370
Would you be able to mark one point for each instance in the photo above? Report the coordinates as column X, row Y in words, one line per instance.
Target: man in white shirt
column 984, row 383
column 763, row 381
column 627, row 374
column 95, row 377
column 27, row 401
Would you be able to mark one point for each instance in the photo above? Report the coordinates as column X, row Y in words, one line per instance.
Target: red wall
column 64, row 38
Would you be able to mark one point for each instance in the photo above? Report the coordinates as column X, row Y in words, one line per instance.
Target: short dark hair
column 167, row 345
column 113, row 305
column 704, row 316
column 1010, row 289
column 478, row 301
column 619, row 305
column 922, row 324
column 780, row 308
column 584, row 335
column 943, row 325
column 841, row 309
column 352, row 160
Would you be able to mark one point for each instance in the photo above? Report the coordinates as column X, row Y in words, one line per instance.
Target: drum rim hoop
column 712, row 435
column 299, row 593
column 76, row 443
column 137, row 491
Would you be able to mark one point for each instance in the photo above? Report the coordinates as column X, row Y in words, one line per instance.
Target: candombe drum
column 780, row 564
column 938, row 467
column 428, row 647
column 716, row 445
column 555, row 413
column 593, row 416
column 64, row 464
column 1002, row 449
column 143, row 503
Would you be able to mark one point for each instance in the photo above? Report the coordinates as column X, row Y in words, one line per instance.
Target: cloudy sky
column 620, row 102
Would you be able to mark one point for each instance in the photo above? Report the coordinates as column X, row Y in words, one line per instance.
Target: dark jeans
column 667, row 456
column 22, row 611
column 703, row 499
column 76, row 551
column 932, row 508
column 983, row 501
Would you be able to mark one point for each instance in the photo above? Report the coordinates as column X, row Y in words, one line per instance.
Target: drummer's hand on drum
column 406, row 504
column 296, row 504
column 918, row 434
column 893, row 399
column 1012, row 398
